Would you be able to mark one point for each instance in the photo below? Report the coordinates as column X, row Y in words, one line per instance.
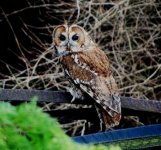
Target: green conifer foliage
column 26, row 127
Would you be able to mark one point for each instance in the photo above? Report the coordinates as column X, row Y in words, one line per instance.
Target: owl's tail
column 107, row 121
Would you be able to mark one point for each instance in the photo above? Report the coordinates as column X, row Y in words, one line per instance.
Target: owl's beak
column 68, row 47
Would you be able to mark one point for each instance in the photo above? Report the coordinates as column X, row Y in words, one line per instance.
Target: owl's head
column 70, row 39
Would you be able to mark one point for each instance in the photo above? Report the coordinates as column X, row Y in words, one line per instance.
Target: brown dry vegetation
column 129, row 31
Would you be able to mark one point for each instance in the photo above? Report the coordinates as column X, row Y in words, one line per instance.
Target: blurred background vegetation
column 129, row 31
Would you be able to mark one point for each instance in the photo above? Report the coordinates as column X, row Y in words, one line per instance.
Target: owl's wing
column 107, row 99
column 90, row 71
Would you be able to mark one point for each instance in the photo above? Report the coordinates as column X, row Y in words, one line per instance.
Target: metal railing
column 130, row 138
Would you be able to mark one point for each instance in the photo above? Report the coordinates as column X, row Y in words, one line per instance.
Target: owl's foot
column 73, row 99
column 76, row 93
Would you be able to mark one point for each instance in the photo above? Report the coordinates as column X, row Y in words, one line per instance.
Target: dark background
column 26, row 27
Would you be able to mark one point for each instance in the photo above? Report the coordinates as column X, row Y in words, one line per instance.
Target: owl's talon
column 73, row 99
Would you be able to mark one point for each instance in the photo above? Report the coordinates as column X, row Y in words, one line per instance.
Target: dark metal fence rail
column 65, row 97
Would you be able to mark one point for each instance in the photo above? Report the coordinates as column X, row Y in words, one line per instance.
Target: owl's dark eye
column 75, row 37
column 62, row 37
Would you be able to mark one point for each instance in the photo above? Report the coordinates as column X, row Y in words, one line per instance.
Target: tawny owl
column 88, row 68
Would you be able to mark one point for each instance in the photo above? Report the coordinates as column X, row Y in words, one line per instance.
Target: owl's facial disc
column 76, row 38
column 68, row 39
column 60, row 39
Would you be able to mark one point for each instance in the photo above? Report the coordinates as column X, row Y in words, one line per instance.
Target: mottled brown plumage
column 89, row 69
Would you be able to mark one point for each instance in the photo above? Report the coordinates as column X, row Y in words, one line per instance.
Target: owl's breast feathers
column 91, row 71
column 90, row 62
